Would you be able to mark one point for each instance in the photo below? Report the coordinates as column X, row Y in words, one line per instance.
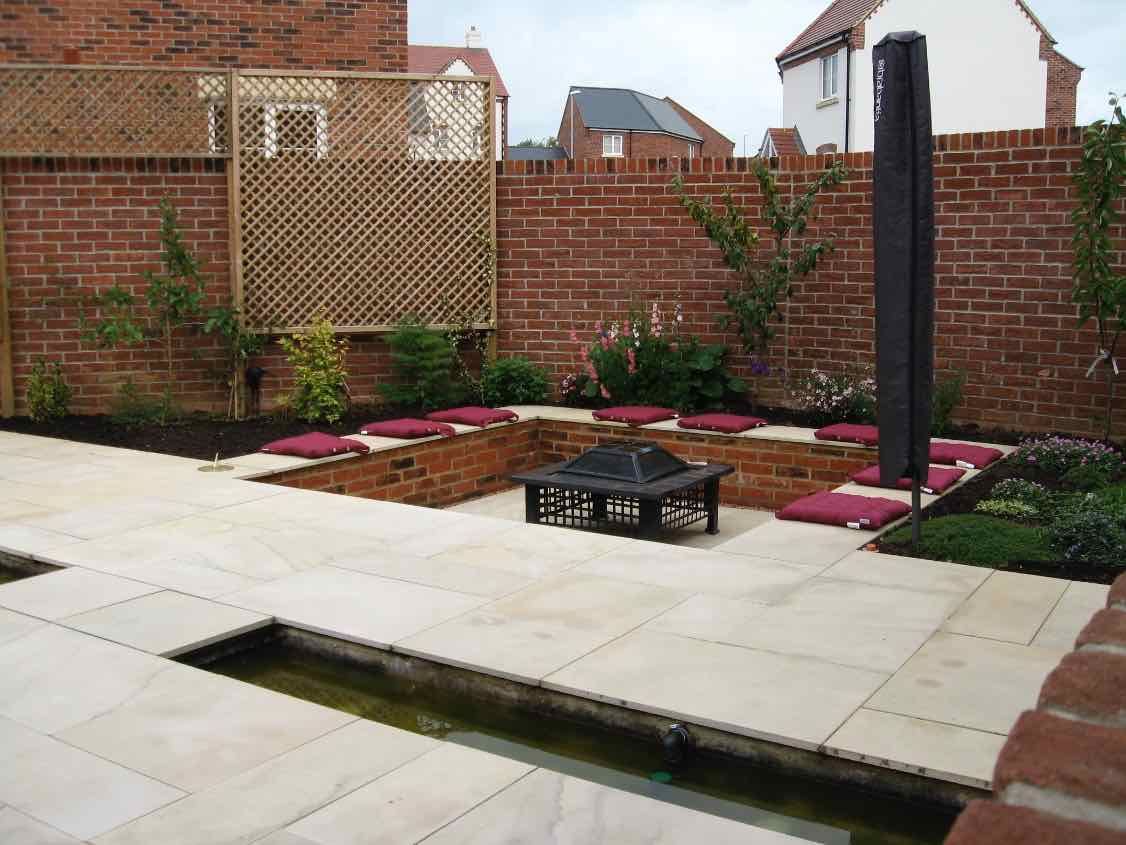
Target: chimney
column 473, row 37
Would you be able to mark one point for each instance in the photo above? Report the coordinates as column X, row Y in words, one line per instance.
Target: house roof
column 433, row 59
column 535, row 153
column 842, row 15
column 786, row 142
column 621, row 108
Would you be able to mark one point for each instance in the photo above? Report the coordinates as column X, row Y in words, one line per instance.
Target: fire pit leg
column 598, row 508
column 711, row 502
column 648, row 517
column 531, row 503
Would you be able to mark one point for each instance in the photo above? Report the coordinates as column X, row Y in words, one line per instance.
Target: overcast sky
column 714, row 56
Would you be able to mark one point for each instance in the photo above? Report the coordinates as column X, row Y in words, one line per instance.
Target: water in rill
column 817, row 811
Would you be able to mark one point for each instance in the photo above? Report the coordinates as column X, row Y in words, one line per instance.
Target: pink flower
column 605, row 393
column 574, row 336
column 605, row 342
column 625, row 329
column 632, row 360
column 598, row 326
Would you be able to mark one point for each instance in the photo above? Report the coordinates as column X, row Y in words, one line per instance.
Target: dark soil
column 196, row 436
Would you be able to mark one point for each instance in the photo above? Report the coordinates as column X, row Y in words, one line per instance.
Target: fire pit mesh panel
column 635, row 461
column 581, row 509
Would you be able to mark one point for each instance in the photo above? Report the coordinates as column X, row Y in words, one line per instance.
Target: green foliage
column 643, row 364
column 132, row 409
column 1059, row 455
column 175, row 296
column 320, row 391
column 1099, row 285
column 1019, row 490
column 514, row 381
column 1008, row 509
column 947, row 397
column 117, row 324
column 1089, row 531
column 756, row 302
column 837, row 397
column 976, row 539
column 1089, row 477
column 48, row 395
column 240, row 346
column 423, row 362
column 549, row 142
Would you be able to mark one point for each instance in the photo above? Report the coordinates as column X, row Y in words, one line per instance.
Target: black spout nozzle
column 254, row 377
column 676, row 745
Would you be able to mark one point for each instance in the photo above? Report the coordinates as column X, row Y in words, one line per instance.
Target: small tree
column 320, row 389
column 240, row 346
column 175, row 296
column 1100, row 286
column 763, row 286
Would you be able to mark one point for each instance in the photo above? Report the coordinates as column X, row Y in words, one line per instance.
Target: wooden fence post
column 7, row 380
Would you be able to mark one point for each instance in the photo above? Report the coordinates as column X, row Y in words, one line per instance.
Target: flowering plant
column 643, row 360
column 837, row 397
column 1059, row 455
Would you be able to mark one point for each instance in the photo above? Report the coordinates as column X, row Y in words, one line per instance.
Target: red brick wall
column 715, row 145
column 584, row 240
column 1061, row 776
column 311, row 34
column 1063, row 86
column 768, row 473
column 76, row 227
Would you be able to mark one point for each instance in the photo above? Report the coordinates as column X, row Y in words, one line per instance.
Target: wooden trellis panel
column 365, row 198
column 108, row 111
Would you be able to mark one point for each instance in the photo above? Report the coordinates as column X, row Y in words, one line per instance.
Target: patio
column 782, row 631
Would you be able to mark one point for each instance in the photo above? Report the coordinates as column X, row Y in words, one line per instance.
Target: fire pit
column 635, row 485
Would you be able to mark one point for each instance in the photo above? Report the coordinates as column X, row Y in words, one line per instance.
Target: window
column 295, row 128
column 611, row 145
column 829, row 77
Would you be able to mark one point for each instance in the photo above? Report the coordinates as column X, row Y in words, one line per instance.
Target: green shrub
column 1058, row 455
column 48, row 395
column 1089, row 532
column 1089, row 477
column 514, row 381
column 320, row 391
column 976, row 539
column 132, row 409
column 423, row 363
column 1008, row 509
column 837, row 397
column 1020, row 490
column 947, row 397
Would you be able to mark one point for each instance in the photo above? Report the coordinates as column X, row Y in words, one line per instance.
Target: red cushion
column 865, row 435
column 964, row 455
column 938, row 479
column 407, row 429
column 635, row 414
column 867, row 512
column 473, row 415
column 315, row 444
column 727, row 423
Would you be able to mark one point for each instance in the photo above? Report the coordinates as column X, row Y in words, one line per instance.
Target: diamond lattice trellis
column 365, row 199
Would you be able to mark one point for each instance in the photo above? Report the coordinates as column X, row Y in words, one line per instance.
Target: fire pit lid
column 638, row 461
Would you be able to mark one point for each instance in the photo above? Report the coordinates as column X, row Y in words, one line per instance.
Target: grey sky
column 714, row 56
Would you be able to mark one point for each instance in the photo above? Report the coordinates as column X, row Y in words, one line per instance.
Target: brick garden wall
column 1061, row 775
column 768, row 473
column 588, row 239
column 310, row 34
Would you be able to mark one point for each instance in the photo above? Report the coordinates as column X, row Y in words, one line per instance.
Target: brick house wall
column 308, row 34
column 1063, row 86
column 588, row 239
column 715, row 145
column 588, row 142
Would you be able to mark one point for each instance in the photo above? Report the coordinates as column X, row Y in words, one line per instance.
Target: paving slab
column 270, row 796
column 918, row 746
column 193, row 729
column 798, row 542
column 445, row 574
column 911, row 573
column 405, row 802
column 360, row 607
column 538, row 630
column 103, row 519
column 54, row 678
column 968, row 681
column 792, row 700
column 732, row 576
column 20, row 829
column 707, row 617
column 13, row 625
column 848, row 622
column 547, row 807
column 70, row 790
column 167, row 623
column 18, row 538
column 1009, row 606
column 55, row 595
column 1079, row 603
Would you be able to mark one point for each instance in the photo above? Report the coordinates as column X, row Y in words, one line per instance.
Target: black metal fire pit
column 634, row 485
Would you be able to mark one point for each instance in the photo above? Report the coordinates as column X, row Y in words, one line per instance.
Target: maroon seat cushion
column 315, row 444
column 865, row 435
column 964, row 455
column 407, row 429
column 635, row 414
column 867, row 512
column 727, row 423
column 938, row 479
column 473, row 415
